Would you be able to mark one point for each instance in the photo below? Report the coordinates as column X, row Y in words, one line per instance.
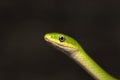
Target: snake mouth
column 50, row 42
column 46, row 39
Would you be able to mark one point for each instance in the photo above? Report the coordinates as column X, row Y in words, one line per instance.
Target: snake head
column 62, row 42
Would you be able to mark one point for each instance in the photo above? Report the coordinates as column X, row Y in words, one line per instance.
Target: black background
column 24, row 54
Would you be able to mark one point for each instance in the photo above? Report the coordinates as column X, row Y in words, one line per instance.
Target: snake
column 74, row 50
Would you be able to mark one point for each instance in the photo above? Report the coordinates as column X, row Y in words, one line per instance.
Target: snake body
column 73, row 49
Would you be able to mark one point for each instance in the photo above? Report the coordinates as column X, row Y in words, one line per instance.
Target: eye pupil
column 61, row 38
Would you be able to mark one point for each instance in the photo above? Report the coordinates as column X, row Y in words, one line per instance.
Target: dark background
column 24, row 54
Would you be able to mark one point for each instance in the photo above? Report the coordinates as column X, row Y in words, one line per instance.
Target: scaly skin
column 74, row 50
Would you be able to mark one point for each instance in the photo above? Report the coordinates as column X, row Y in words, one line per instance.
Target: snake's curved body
column 74, row 50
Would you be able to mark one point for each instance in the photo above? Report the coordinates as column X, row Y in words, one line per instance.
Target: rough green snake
column 73, row 49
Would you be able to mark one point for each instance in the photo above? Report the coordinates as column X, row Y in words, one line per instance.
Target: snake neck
column 90, row 66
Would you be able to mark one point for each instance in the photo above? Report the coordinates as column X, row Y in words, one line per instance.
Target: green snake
column 73, row 49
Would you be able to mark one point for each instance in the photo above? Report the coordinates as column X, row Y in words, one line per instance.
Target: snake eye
column 61, row 38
